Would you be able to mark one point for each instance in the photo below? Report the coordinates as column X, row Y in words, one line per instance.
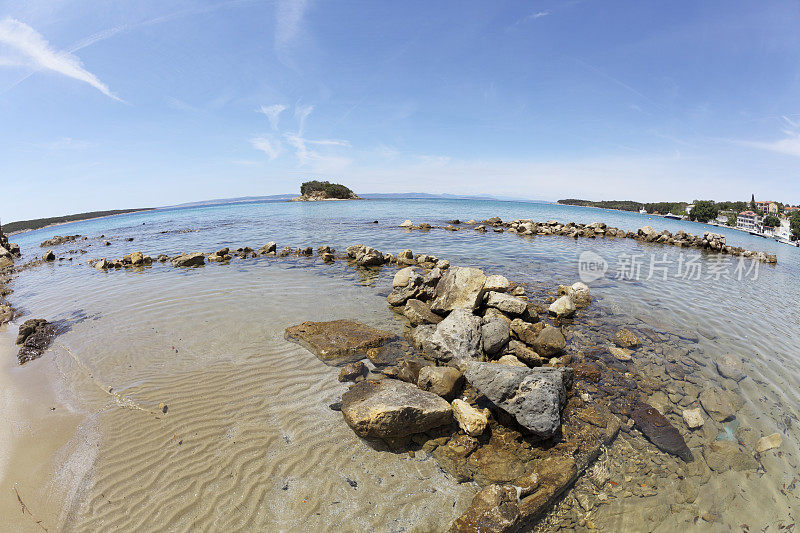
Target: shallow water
column 248, row 439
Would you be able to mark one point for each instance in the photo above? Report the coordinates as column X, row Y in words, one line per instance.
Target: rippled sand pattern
column 248, row 441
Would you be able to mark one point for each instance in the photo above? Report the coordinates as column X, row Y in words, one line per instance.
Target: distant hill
column 23, row 225
column 676, row 208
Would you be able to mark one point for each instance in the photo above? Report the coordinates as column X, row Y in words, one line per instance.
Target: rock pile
column 708, row 241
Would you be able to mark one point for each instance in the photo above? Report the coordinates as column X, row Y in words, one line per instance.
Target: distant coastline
column 22, row 226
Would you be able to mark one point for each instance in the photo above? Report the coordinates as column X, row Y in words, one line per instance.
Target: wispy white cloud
column 301, row 113
column 288, row 22
column 68, row 143
column 789, row 144
column 28, row 47
column 268, row 145
column 273, row 113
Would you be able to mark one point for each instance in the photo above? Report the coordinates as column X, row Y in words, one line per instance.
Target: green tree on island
column 753, row 203
column 703, row 211
column 772, row 221
column 331, row 190
column 731, row 221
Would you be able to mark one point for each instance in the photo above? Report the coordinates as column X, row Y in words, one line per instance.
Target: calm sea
column 251, row 409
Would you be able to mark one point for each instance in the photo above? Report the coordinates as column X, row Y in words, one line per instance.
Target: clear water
column 234, row 378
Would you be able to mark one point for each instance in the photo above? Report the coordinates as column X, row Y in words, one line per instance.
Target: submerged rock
column 459, row 288
column 533, row 396
column 493, row 510
column 720, row 405
column 693, row 418
column 730, row 367
column 35, row 336
column 659, row 431
column 625, row 338
column 457, row 338
column 337, row 340
column 392, row 408
column 769, row 442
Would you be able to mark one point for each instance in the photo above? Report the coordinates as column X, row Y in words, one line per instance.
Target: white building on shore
column 748, row 220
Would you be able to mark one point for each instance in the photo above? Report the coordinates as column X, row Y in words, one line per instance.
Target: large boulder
column 578, row 292
column 338, row 341
column 390, row 408
column 403, row 277
column 459, row 288
column 533, row 396
column 418, row 312
column 413, row 289
column 457, row 338
column 496, row 283
column 506, row 303
column 495, row 335
column 550, row 342
column 444, row 381
column 189, row 260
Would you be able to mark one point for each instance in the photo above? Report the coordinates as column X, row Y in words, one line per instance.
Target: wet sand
column 36, row 426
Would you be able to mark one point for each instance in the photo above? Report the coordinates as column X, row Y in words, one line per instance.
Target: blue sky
column 125, row 104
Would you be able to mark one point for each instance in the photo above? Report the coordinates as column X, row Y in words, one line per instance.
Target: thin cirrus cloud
column 789, row 145
column 273, row 113
column 29, row 48
column 319, row 154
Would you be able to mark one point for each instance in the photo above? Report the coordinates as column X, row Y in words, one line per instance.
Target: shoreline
column 36, row 428
column 81, row 220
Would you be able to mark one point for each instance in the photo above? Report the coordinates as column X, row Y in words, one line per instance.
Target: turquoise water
column 753, row 313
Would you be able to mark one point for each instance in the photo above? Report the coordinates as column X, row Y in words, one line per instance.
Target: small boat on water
column 784, row 240
column 643, row 211
column 673, row 217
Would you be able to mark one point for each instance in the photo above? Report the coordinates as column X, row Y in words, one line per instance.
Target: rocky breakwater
column 712, row 242
column 482, row 383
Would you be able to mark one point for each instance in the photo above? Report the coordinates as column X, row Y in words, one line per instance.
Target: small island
column 317, row 191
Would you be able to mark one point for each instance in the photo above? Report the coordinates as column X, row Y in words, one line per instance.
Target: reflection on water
column 249, row 441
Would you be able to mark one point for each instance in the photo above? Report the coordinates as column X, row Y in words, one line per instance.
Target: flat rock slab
column 391, row 408
column 659, row 431
column 338, row 341
column 533, row 396
column 459, row 288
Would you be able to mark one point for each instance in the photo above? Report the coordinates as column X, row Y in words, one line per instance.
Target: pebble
column 693, row 418
column 769, row 442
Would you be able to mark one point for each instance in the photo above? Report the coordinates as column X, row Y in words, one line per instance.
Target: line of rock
column 707, row 241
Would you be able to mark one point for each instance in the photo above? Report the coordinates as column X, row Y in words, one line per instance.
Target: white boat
column 673, row 217
column 643, row 211
column 784, row 240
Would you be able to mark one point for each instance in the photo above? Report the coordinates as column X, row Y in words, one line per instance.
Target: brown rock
column 659, row 431
column 418, row 312
column 550, row 342
column 626, row 338
column 493, row 510
column 352, row 371
column 392, row 408
column 443, row 381
column 337, row 340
